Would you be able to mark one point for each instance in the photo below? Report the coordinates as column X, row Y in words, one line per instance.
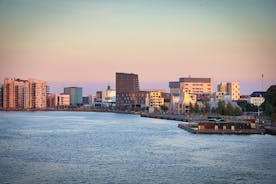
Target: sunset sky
column 68, row 42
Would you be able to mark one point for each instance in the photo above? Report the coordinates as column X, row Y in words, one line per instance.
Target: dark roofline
column 197, row 80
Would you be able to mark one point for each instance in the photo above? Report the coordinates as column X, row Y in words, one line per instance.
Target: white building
column 256, row 98
column 186, row 98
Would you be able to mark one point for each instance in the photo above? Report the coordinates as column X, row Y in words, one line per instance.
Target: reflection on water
column 85, row 147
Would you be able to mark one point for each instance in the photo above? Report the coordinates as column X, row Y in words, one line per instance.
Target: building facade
column 58, row 100
column 197, row 86
column 155, row 99
column 230, row 88
column 24, row 94
column 186, row 99
column 75, row 94
column 38, row 94
column 109, row 96
column 257, row 98
column 187, row 91
column 1, row 96
column 127, row 90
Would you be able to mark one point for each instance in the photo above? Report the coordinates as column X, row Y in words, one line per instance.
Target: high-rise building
column 38, row 94
column 24, row 94
column 1, row 95
column 230, row 88
column 75, row 95
column 127, row 89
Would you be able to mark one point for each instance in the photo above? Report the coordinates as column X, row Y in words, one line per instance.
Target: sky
column 68, row 42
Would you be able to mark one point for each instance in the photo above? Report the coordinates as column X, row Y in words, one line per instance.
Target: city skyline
column 84, row 43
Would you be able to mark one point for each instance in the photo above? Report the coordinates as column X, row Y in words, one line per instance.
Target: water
column 86, row 147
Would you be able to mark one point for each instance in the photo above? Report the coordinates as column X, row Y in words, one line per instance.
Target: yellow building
column 232, row 88
column 155, row 99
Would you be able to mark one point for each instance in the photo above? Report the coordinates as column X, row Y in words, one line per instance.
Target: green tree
column 197, row 110
column 207, row 107
column 269, row 105
column 237, row 111
column 229, row 109
column 221, row 107
column 164, row 108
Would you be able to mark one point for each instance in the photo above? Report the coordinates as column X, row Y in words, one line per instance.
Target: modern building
column 38, row 94
column 127, row 90
column 155, row 99
column 197, row 86
column 187, row 91
column 106, row 98
column 231, row 88
column 186, row 99
column 24, row 94
column 109, row 96
column 174, row 94
column 58, row 100
column 75, row 94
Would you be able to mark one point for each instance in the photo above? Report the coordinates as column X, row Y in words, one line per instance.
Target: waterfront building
column 197, row 86
column 1, row 95
column 257, row 98
column 24, row 94
column 109, row 96
column 38, row 94
column 75, row 94
column 127, row 90
column 188, row 91
column 58, row 100
column 186, row 99
column 174, row 96
column 231, row 88
column 155, row 99
column 106, row 98
column 85, row 100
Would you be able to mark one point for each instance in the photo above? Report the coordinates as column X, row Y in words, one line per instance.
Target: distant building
column 24, row 94
column 1, row 96
column 197, row 86
column 85, row 100
column 231, row 88
column 38, row 94
column 75, row 95
column 127, row 90
column 156, row 100
column 188, row 91
column 186, row 98
column 109, row 96
column 257, row 98
column 106, row 98
column 58, row 100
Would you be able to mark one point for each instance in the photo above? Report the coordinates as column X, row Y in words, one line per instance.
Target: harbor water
column 89, row 147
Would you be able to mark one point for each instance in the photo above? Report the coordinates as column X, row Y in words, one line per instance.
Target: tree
column 207, row 107
column 221, row 107
column 191, row 108
column 229, row 109
column 237, row 111
column 269, row 105
column 164, row 108
column 197, row 110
